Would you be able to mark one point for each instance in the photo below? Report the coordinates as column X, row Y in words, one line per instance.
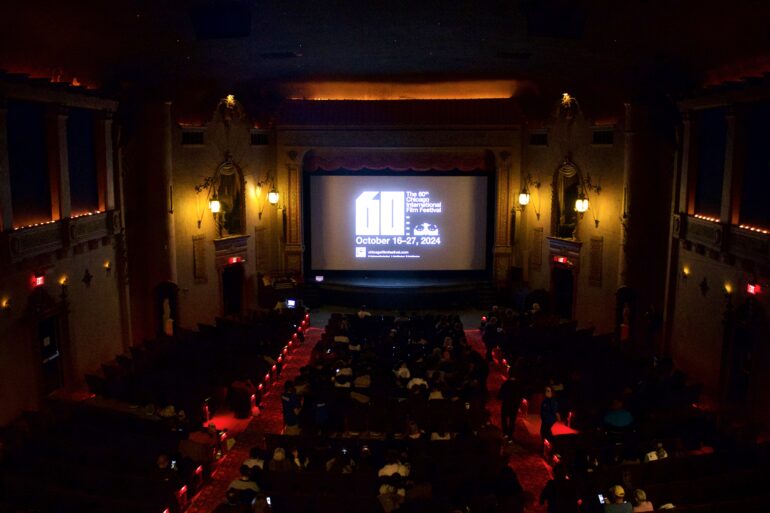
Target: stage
column 396, row 292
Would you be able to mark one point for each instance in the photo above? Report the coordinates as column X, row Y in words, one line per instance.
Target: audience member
column 641, row 504
column 292, row 405
column 618, row 417
column 510, row 395
column 279, row 463
column 256, row 458
column 616, row 503
column 247, row 489
column 232, row 504
column 549, row 414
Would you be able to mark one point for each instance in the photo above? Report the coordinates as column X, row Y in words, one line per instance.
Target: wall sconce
column 107, row 266
column 273, row 197
column 582, row 203
column 5, row 305
column 63, row 283
column 685, row 273
column 214, row 205
column 728, row 288
column 524, row 195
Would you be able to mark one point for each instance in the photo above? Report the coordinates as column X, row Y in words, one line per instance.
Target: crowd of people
column 398, row 384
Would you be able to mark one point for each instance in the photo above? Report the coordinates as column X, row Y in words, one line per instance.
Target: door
column 563, row 287
column 50, row 354
column 232, row 289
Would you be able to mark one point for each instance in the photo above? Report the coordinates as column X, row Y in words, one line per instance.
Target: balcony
column 32, row 241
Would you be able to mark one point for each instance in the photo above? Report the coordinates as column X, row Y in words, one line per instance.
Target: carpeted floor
column 527, row 461
column 268, row 420
column 526, row 458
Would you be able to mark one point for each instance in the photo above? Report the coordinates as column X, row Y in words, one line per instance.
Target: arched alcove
column 567, row 184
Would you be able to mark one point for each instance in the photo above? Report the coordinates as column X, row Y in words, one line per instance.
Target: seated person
column 256, row 458
column 618, row 417
column 441, row 433
column 413, row 431
column 341, row 463
column 247, row 489
column 640, row 502
column 658, row 453
column 279, row 463
column 616, row 502
column 232, row 504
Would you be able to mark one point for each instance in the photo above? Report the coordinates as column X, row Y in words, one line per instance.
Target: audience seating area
column 391, row 413
column 114, row 451
column 701, row 468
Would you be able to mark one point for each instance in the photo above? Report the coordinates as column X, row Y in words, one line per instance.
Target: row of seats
column 99, row 454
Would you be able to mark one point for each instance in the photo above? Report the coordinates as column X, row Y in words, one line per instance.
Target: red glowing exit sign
column 753, row 289
column 235, row 260
column 562, row 260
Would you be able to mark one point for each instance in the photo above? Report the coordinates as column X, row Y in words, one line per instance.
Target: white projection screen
column 397, row 222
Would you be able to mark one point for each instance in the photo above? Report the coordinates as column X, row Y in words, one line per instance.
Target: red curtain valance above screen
column 398, row 160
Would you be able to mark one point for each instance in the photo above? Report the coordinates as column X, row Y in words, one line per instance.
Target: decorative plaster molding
column 37, row 240
column 228, row 247
column 399, row 138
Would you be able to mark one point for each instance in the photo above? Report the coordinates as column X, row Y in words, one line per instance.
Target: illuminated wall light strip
column 44, row 223
column 754, row 229
column 34, row 225
column 706, row 218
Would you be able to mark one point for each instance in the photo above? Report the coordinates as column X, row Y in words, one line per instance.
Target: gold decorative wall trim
column 294, row 184
column 502, row 232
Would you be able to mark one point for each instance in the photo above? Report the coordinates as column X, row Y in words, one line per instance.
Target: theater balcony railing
column 32, row 241
column 721, row 240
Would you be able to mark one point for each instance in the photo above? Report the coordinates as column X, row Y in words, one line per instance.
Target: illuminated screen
column 400, row 222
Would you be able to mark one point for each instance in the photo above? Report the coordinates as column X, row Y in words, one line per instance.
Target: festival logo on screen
column 384, row 218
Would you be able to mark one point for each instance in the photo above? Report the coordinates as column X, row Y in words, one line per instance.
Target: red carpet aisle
column 532, row 471
column 270, row 420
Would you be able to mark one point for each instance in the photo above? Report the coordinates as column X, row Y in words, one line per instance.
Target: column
column 628, row 156
column 104, row 160
column 729, row 214
column 687, row 179
column 293, row 245
column 502, row 247
column 168, row 183
column 6, row 208
column 58, row 163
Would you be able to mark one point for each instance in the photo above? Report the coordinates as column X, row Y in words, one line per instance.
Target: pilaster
column 725, row 214
column 6, row 208
column 104, row 160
